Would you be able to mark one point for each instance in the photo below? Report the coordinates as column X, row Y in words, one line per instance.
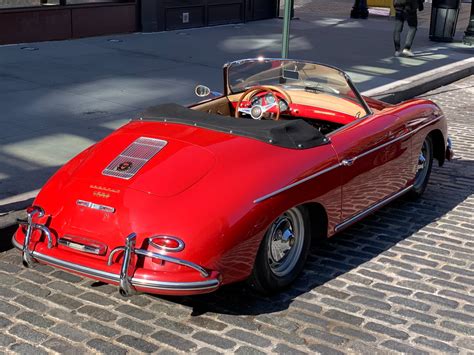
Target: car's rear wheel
column 425, row 163
column 283, row 251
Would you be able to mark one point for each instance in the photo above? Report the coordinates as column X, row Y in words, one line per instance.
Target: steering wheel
column 257, row 111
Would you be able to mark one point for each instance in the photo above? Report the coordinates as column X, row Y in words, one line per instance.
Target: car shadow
column 354, row 247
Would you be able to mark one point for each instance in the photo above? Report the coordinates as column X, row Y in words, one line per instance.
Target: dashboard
column 268, row 99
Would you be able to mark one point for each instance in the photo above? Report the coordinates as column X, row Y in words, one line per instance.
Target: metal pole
column 469, row 34
column 286, row 30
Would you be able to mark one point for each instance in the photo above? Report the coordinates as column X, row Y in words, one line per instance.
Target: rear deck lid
column 156, row 165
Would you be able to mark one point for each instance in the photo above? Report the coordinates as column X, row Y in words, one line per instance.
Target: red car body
column 216, row 194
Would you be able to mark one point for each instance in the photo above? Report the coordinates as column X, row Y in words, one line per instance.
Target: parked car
column 236, row 187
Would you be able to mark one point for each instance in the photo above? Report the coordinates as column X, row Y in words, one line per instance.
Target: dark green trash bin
column 444, row 17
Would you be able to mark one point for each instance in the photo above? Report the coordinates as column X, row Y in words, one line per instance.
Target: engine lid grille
column 134, row 157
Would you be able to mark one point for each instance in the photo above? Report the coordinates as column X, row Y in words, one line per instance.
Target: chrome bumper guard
column 127, row 283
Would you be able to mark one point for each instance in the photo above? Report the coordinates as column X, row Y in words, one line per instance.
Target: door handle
column 347, row 162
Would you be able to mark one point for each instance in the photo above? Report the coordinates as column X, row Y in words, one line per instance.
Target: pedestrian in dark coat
column 406, row 10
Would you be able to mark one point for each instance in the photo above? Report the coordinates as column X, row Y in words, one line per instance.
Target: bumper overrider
column 128, row 284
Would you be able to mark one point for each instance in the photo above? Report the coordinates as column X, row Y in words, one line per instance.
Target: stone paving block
column 457, row 295
column 174, row 326
column 8, row 309
column 324, row 336
column 27, row 333
column 324, row 349
column 422, row 317
column 33, row 289
column 384, row 317
column 135, row 312
column 69, row 316
column 275, row 333
column 407, row 302
column 214, row 340
column 66, row 276
column 6, row 340
column 137, row 344
column 207, row 323
column 389, row 331
column 370, row 302
column 208, row 351
column 458, row 327
column 353, row 333
column 248, row 350
column 64, row 301
column 403, row 348
column 71, row 333
column 106, row 347
column 63, row 347
column 24, row 348
column 285, row 349
column 97, row 313
column 436, row 345
column 431, row 332
column 174, row 341
column 65, row 287
column 134, row 326
column 303, row 317
column 31, row 303
column 443, row 301
column 35, row 319
column 248, row 337
column 100, row 329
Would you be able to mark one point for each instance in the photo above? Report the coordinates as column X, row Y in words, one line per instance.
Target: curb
column 419, row 84
column 393, row 93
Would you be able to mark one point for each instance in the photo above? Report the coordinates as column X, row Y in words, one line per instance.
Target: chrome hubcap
column 285, row 242
column 422, row 166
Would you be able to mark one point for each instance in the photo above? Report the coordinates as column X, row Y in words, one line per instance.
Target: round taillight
column 167, row 243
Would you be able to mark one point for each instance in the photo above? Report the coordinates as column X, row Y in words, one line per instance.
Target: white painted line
column 396, row 84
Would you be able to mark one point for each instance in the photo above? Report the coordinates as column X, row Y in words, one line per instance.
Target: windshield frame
column 228, row 90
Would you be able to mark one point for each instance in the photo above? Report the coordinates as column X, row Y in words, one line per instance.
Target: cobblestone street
column 401, row 280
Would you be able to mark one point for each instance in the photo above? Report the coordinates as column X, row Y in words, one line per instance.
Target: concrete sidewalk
column 57, row 98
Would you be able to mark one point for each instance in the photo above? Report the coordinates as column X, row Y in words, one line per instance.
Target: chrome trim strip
column 346, row 162
column 95, row 206
column 173, row 260
column 369, row 210
column 299, row 182
column 138, row 282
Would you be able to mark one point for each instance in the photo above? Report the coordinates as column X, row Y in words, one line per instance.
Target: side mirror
column 202, row 91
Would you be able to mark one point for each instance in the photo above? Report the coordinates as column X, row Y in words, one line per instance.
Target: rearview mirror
column 202, row 91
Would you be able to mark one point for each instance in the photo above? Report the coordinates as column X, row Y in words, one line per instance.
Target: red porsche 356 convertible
column 186, row 199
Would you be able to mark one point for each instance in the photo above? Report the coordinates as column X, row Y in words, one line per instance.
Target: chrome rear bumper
column 126, row 281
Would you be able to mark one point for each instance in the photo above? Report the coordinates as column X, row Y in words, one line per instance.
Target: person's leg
column 399, row 19
column 412, row 21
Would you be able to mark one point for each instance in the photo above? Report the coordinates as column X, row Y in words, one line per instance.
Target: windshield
column 291, row 75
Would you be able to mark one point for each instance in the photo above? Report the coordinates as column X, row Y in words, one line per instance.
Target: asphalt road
column 402, row 280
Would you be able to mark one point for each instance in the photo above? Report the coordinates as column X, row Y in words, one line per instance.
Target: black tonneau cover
column 295, row 134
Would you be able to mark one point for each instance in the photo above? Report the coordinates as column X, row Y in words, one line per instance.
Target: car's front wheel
column 425, row 163
column 283, row 251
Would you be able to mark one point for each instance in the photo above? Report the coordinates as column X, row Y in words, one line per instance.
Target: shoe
column 397, row 53
column 408, row 53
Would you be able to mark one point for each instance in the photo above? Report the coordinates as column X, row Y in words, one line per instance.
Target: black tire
column 423, row 174
column 270, row 275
